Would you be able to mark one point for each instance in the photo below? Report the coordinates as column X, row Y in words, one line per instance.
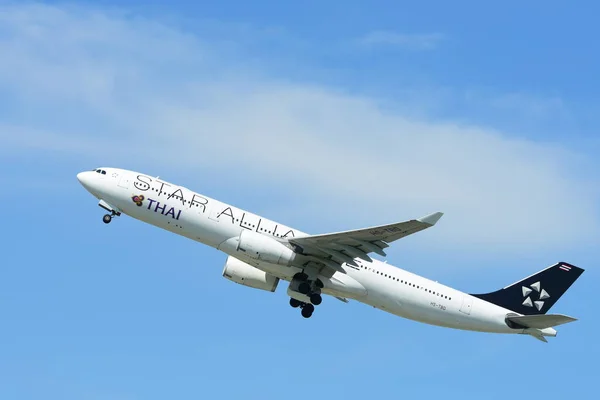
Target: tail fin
column 537, row 293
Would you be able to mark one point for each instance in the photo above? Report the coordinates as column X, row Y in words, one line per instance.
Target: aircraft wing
column 334, row 249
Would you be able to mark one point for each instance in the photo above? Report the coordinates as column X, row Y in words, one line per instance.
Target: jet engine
column 247, row 275
column 264, row 248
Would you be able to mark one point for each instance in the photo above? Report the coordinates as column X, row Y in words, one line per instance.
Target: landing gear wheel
column 316, row 299
column 304, row 287
column 308, row 310
column 107, row 218
column 295, row 303
column 301, row 276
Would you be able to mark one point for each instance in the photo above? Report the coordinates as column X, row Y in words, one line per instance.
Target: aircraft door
column 467, row 304
column 124, row 181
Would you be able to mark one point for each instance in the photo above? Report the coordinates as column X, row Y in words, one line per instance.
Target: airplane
column 261, row 253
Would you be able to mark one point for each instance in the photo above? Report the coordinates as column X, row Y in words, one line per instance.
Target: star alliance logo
column 541, row 295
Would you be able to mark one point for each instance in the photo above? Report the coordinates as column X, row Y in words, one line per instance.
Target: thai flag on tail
column 565, row 267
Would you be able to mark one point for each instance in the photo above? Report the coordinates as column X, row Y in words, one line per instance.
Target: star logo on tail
column 532, row 291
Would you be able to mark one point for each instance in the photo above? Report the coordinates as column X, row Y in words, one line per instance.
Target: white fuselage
column 203, row 219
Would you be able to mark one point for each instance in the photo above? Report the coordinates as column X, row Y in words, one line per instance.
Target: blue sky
column 321, row 115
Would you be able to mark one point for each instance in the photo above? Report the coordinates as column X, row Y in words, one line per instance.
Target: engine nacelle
column 264, row 248
column 247, row 275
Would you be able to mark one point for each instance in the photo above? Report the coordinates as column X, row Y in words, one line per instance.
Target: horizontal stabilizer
column 541, row 321
column 539, row 337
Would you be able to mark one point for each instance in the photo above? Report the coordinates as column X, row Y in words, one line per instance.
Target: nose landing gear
column 112, row 210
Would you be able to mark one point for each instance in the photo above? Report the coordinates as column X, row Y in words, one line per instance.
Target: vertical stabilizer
column 537, row 293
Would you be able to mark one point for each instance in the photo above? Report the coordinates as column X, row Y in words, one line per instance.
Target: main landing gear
column 307, row 308
column 310, row 289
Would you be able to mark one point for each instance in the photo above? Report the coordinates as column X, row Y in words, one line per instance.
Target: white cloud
column 83, row 78
column 426, row 41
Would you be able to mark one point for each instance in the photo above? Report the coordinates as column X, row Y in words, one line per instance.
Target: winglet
column 431, row 219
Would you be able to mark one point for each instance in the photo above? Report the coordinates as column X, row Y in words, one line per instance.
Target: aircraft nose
column 85, row 178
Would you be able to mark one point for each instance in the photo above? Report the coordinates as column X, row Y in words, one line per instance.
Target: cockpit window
column 103, row 172
column 99, row 171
